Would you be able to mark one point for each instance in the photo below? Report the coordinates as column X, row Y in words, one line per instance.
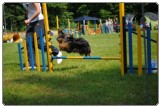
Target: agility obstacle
column 123, row 45
column 49, row 57
column 32, row 57
column 87, row 57
column 139, row 50
column 50, row 66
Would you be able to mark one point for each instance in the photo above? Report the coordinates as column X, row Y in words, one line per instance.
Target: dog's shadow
column 64, row 69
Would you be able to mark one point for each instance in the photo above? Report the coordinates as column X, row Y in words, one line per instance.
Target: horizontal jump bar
column 86, row 57
column 145, row 37
column 145, row 68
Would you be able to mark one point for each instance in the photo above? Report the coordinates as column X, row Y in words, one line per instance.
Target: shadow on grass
column 99, row 87
column 9, row 64
column 63, row 69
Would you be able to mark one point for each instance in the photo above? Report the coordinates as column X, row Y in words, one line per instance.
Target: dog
column 70, row 44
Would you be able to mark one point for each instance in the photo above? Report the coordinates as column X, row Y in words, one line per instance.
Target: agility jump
column 147, row 54
column 87, row 57
column 49, row 57
column 123, row 53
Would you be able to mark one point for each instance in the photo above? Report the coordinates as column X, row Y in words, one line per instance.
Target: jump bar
column 87, row 57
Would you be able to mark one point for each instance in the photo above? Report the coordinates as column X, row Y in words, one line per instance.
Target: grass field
column 79, row 82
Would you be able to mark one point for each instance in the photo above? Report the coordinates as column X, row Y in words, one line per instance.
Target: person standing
column 35, row 22
column 106, row 27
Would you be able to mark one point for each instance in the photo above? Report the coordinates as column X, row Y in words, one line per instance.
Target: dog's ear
column 69, row 38
column 60, row 31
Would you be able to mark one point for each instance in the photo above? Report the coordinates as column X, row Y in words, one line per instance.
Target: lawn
column 79, row 82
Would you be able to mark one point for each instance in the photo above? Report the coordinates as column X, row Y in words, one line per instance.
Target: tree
column 13, row 13
column 60, row 10
column 104, row 14
column 83, row 10
column 14, row 20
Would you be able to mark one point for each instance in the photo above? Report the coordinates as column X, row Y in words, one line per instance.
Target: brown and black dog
column 70, row 44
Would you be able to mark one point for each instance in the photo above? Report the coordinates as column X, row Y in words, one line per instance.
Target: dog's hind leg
column 87, row 54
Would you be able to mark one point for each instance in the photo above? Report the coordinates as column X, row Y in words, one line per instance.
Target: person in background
column 116, row 25
column 106, row 27
column 110, row 25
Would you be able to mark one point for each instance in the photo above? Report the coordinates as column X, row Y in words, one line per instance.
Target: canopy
column 137, row 17
column 152, row 16
column 85, row 18
column 148, row 16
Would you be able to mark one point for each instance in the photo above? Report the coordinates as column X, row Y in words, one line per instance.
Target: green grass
column 78, row 82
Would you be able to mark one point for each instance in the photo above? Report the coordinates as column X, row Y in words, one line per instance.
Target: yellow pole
column 139, row 51
column 100, row 25
column 121, row 14
column 50, row 66
column 88, row 28
column 26, row 56
column 76, row 34
column 69, row 26
column 36, row 51
column 57, row 23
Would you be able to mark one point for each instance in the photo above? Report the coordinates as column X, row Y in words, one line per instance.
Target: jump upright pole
column 31, row 51
column 130, row 47
column 57, row 24
column 47, row 36
column 124, row 45
column 121, row 15
column 26, row 56
column 36, row 52
column 69, row 28
column 149, row 50
column 42, row 50
column 83, row 27
column 20, row 56
column 139, row 45
column 157, row 50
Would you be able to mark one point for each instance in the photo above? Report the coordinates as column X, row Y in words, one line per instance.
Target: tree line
column 14, row 13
